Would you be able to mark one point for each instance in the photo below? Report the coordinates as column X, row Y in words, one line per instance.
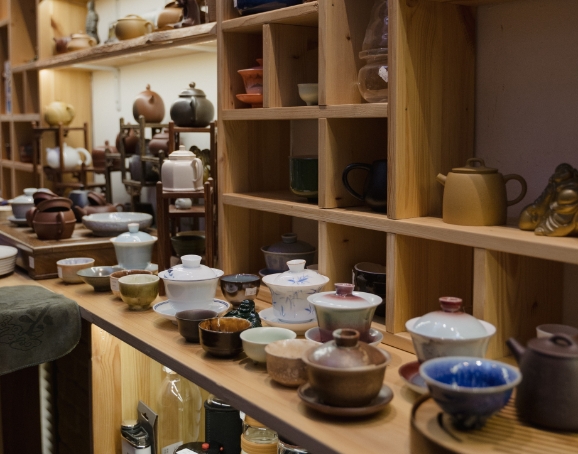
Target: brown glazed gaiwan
column 54, row 219
column 346, row 372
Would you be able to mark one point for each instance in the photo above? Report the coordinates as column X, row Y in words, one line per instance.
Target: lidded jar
column 449, row 332
column 134, row 248
column 257, row 438
column 278, row 254
column 373, row 78
column 183, row 171
column 192, row 109
column 21, row 204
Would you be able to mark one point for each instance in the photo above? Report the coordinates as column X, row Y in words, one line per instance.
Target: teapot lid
column 473, row 169
column 344, row 298
column 559, row 345
column 26, row 197
column 134, row 236
column 182, row 154
column 345, row 351
column 289, row 244
column 296, row 276
column 192, row 91
column 190, row 270
column 449, row 323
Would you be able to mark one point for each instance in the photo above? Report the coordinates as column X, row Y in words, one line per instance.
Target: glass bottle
column 179, row 405
column 257, row 438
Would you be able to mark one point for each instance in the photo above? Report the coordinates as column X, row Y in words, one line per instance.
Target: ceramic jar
column 159, row 142
column 80, row 41
column 289, row 292
column 476, row 194
column 192, row 109
column 150, row 105
column 344, row 308
column 58, row 112
column 72, row 157
column 548, row 394
column 99, row 157
column 289, row 248
column 134, row 249
column 346, row 372
column 183, row 171
column 21, row 204
column 54, row 219
column 132, row 26
column 449, row 332
column 191, row 282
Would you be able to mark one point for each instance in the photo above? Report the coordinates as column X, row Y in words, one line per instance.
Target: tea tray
column 432, row 432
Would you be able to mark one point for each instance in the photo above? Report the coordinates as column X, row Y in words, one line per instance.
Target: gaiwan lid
column 190, row 270
column 134, row 235
column 344, row 298
column 450, row 322
column 297, row 275
column 24, row 198
column 345, row 351
column 290, row 244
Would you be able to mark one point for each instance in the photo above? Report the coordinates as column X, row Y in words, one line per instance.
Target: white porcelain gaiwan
column 289, row 292
column 134, row 249
column 449, row 332
column 191, row 282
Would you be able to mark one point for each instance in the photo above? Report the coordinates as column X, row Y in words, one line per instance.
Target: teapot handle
column 87, row 156
column 61, row 222
column 197, row 168
column 522, row 183
column 345, row 176
column 149, row 26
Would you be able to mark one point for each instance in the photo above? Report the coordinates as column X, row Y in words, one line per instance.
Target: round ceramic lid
column 134, row 236
column 297, row 275
column 192, row 91
column 190, row 270
column 472, row 169
column 182, row 154
column 557, row 346
column 24, row 198
column 344, row 298
column 450, row 322
column 289, row 244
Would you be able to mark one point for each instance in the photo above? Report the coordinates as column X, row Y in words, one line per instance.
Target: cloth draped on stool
column 36, row 326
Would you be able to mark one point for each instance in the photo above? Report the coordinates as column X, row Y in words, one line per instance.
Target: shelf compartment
column 17, row 93
column 23, row 179
column 22, row 33
column 306, row 14
column 6, row 182
column 7, row 152
column 31, row 93
column 65, row 17
column 309, row 112
column 23, row 137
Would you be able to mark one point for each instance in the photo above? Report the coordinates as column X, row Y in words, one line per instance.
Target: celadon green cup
column 303, row 176
column 139, row 290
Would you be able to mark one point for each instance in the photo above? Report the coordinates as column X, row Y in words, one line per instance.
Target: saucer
column 409, row 373
column 311, row 399
column 256, row 100
column 19, row 222
column 268, row 316
column 153, row 267
column 374, row 337
column 167, row 309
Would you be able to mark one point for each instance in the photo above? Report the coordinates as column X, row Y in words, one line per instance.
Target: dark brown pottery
column 290, row 248
column 54, row 225
column 41, row 196
column 150, row 105
column 160, row 141
column 79, row 212
column 131, row 142
column 188, row 323
column 239, row 287
column 548, row 394
column 99, row 157
column 192, row 109
column 346, row 372
column 222, row 336
column 30, row 216
column 61, row 44
column 96, row 199
column 375, row 187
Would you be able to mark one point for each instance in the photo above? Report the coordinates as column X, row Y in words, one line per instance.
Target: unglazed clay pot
column 192, row 109
column 99, row 156
column 92, row 209
column 150, row 105
column 80, row 41
column 58, row 112
column 54, row 219
column 132, row 26
column 131, row 142
column 61, row 44
column 171, row 14
column 159, row 142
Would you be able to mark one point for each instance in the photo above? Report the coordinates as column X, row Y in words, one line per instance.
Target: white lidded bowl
column 21, row 204
column 112, row 224
column 134, row 249
column 289, row 292
column 191, row 282
column 449, row 332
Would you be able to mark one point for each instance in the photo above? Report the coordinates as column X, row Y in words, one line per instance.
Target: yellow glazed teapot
column 476, row 194
column 58, row 112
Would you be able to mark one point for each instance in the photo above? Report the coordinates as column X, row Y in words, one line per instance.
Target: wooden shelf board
column 473, row 2
column 22, row 166
column 508, row 239
column 161, row 44
column 27, row 117
column 243, row 384
column 306, row 14
column 378, row 110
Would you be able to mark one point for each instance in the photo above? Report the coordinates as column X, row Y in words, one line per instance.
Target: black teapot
column 375, row 188
column 192, row 109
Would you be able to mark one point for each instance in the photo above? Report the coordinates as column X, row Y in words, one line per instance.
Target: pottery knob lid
column 134, row 236
column 296, row 276
column 559, row 345
column 290, row 244
column 471, row 168
column 190, row 270
column 182, row 154
column 450, row 303
column 192, row 91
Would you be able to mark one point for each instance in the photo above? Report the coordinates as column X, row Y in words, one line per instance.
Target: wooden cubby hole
column 69, row 17
column 6, row 182
column 31, row 93
column 22, row 135
column 22, row 37
column 8, row 152
column 17, row 93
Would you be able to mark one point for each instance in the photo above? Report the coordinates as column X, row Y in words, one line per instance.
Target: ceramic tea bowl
column 469, row 389
column 98, row 277
column 189, row 243
column 239, row 287
column 309, row 93
column 370, row 277
column 256, row 339
column 284, row 363
column 68, row 268
column 188, row 322
column 139, row 290
column 115, row 276
column 222, row 336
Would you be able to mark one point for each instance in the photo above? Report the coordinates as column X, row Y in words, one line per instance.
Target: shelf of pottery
column 506, row 276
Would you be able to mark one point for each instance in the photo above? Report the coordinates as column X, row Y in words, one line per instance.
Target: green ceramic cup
column 303, row 176
column 139, row 290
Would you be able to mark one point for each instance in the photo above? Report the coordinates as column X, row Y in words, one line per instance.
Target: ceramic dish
column 168, row 309
column 139, row 290
column 256, row 339
column 409, row 373
column 114, row 277
column 188, row 323
column 373, row 337
column 255, row 100
column 268, row 317
column 112, row 224
column 98, row 277
column 312, row 400
column 18, row 222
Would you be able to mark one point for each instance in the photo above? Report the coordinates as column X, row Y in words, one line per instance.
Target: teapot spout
column 515, row 348
column 442, row 179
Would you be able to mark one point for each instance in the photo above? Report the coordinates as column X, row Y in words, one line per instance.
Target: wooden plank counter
column 239, row 381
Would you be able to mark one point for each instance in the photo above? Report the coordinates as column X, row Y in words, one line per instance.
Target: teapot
column 375, row 188
column 548, row 394
column 72, row 157
column 79, row 41
column 192, row 109
column 150, row 105
column 58, row 112
column 183, row 171
column 159, row 142
column 476, row 194
column 132, row 26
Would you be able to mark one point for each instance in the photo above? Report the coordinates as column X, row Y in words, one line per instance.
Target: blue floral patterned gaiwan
column 246, row 7
column 469, row 389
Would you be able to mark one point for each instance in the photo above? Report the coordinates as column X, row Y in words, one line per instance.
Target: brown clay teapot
column 160, row 141
column 99, row 156
column 548, row 394
column 92, row 209
column 131, row 142
column 150, row 105
column 80, row 41
column 54, row 219
column 171, row 14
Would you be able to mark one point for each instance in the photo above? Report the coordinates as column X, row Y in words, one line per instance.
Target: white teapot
column 183, row 171
column 72, row 157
